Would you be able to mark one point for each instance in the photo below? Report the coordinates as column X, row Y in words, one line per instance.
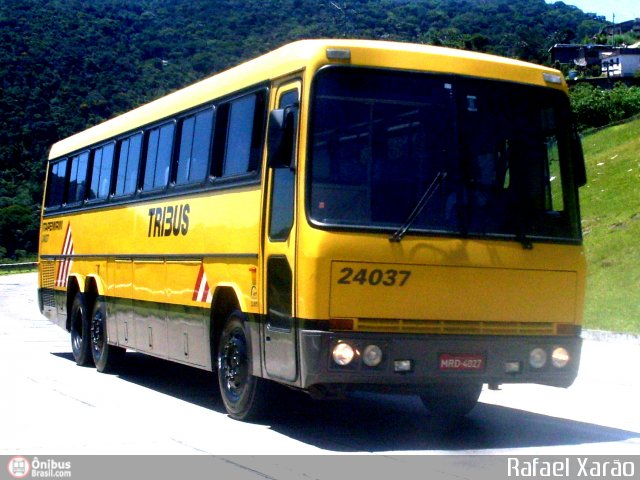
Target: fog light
column 343, row 354
column 402, row 365
column 560, row 357
column 372, row 356
column 512, row 367
column 537, row 358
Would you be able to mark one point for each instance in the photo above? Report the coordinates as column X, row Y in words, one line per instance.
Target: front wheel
column 80, row 339
column 106, row 357
column 451, row 401
column 244, row 396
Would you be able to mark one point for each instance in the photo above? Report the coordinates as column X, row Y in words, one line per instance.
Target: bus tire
column 80, row 336
column 107, row 358
column 243, row 394
column 451, row 401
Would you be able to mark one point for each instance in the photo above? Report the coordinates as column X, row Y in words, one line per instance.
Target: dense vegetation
column 68, row 64
column 595, row 107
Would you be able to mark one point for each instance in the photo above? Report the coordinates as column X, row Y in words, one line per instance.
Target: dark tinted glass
column 496, row 154
column 280, row 284
column 55, row 195
column 239, row 136
column 283, row 188
column 158, row 159
column 195, row 147
column 78, row 178
column 101, row 174
column 128, row 161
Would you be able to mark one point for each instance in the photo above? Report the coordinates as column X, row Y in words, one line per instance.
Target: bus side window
column 77, row 178
column 57, row 175
column 240, row 131
column 128, row 161
column 101, row 173
column 158, row 157
column 195, row 147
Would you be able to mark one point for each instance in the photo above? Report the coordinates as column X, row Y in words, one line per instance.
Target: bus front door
column 280, row 334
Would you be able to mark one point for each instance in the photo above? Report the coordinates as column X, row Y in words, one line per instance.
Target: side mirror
column 281, row 137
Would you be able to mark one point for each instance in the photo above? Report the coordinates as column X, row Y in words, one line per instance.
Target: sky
column 623, row 9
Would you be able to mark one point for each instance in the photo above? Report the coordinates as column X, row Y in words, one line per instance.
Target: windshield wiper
column 424, row 200
column 521, row 235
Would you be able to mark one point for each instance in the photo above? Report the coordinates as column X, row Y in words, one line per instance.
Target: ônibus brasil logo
column 19, row 467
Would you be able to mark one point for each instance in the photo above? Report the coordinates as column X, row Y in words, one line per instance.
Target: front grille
column 453, row 327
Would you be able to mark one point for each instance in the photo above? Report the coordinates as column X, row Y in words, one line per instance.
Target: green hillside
column 611, row 225
column 69, row 64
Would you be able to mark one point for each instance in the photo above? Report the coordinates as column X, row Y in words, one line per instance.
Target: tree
column 66, row 65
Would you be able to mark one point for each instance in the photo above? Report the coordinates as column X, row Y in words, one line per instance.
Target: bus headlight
column 343, row 354
column 372, row 356
column 560, row 357
column 537, row 358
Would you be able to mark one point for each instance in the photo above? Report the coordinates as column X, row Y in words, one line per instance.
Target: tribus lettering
column 171, row 220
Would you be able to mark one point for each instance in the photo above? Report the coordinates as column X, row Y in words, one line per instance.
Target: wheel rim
column 234, row 365
column 97, row 332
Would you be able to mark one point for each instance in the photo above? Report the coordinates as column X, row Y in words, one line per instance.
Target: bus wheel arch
column 73, row 288
column 225, row 301
column 90, row 292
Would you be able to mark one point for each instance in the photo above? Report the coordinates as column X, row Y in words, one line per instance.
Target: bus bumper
column 411, row 362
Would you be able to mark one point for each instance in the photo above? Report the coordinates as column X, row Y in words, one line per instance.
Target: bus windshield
column 500, row 154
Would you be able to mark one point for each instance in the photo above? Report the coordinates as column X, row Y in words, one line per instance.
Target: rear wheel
column 451, row 401
column 80, row 337
column 106, row 357
column 244, row 396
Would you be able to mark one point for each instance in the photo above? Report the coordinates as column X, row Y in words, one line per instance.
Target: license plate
column 461, row 362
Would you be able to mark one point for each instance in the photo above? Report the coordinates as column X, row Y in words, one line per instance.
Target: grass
column 611, row 226
column 8, row 267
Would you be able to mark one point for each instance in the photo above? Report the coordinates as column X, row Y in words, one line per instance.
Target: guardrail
column 17, row 267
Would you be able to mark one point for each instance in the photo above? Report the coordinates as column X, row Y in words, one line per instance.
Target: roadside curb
column 611, row 337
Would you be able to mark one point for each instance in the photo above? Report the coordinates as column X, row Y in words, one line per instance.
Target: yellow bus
column 335, row 215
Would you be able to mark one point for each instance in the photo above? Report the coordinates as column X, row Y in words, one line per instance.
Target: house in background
column 622, row 62
column 578, row 55
column 630, row 26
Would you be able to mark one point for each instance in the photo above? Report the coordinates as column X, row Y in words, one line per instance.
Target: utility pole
column 613, row 31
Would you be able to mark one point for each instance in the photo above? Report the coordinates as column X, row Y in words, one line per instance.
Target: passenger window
column 195, row 147
column 78, row 178
column 57, row 176
column 158, row 159
column 101, row 174
column 128, row 161
column 241, row 124
column 239, row 134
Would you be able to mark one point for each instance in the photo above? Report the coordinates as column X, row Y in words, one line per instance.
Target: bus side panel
column 119, row 294
column 188, row 326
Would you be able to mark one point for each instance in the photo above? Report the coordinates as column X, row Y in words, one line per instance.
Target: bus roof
column 312, row 54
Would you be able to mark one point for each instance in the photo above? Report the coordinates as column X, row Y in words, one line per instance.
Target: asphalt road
column 51, row 406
